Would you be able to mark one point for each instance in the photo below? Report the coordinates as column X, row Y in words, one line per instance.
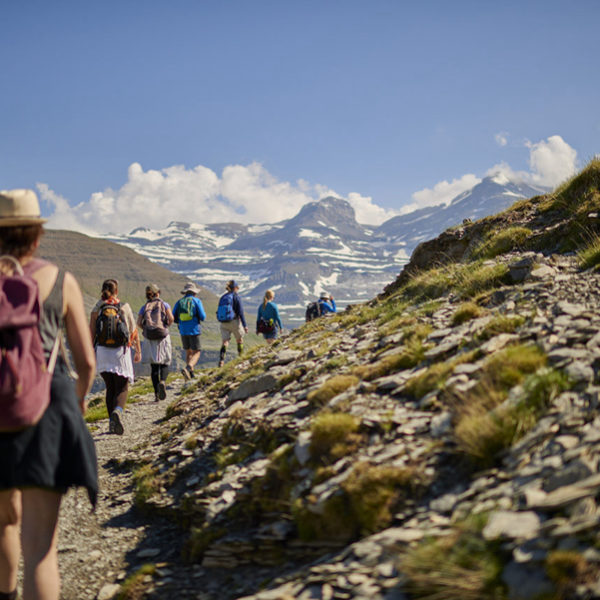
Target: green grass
column 332, row 387
column 134, row 586
column 461, row 566
column 466, row 312
column 502, row 241
column 486, row 425
column 364, row 503
column 333, row 435
column 501, row 324
column 589, row 256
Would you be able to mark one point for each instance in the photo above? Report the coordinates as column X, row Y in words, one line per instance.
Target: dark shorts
column 190, row 342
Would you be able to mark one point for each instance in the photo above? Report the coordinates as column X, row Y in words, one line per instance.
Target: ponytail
column 269, row 295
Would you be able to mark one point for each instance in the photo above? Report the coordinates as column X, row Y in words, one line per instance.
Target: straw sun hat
column 19, row 207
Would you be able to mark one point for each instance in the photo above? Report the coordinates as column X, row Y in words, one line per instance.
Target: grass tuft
column 501, row 242
column 333, row 435
column 467, row 311
column 332, row 387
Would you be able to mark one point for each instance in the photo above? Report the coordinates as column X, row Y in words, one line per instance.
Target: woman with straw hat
column 41, row 461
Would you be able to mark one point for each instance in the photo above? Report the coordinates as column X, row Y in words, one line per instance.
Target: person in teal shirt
column 268, row 321
column 188, row 312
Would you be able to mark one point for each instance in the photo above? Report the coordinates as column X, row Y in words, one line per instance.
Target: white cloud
column 441, row 193
column 501, row 138
column 367, row 211
column 551, row 161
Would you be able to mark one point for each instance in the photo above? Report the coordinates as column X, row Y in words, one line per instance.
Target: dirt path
column 98, row 550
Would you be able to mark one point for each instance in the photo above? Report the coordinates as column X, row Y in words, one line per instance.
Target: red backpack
column 25, row 376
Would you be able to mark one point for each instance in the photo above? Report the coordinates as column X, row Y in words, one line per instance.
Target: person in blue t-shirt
column 326, row 303
column 268, row 321
column 188, row 312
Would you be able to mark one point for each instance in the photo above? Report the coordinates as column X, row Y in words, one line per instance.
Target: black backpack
column 111, row 327
column 313, row 310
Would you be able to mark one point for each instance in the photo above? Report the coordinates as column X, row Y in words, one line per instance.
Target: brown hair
column 269, row 295
column 110, row 287
column 19, row 239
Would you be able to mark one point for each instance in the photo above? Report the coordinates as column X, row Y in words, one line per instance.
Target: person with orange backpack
column 44, row 442
column 113, row 328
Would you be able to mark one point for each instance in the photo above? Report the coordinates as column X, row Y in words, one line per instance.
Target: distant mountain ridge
column 323, row 247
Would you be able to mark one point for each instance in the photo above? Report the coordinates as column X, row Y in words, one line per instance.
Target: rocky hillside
column 440, row 441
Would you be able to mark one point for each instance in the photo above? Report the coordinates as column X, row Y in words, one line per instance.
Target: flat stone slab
column 512, row 525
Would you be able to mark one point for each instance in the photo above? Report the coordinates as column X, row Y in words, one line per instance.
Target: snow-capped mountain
column 490, row 196
column 322, row 248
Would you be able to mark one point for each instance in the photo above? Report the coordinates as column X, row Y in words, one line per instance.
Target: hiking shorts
column 191, row 342
column 232, row 327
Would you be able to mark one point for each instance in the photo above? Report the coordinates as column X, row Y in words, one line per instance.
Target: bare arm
column 78, row 335
column 170, row 317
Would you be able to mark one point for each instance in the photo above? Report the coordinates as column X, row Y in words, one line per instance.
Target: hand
column 246, row 329
column 137, row 357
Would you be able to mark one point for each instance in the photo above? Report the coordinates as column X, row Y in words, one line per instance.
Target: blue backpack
column 225, row 310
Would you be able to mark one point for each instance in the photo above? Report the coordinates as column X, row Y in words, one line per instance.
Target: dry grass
column 333, row 435
column 466, row 311
column 331, row 388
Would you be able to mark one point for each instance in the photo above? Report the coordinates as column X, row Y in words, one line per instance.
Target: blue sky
column 247, row 109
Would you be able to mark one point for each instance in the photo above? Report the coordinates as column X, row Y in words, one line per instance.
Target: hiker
column 113, row 328
column 326, row 304
column 155, row 318
column 188, row 312
column 40, row 462
column 230, row 314
column 268, row 321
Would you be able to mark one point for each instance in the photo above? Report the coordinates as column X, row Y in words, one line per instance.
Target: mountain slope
column 92, row 260
column 439, row 441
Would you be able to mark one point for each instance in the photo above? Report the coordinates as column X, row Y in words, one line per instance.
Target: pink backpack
column 24, row 375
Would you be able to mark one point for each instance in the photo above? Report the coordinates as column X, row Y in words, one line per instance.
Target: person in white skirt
column 155, row 317
column 113, row 355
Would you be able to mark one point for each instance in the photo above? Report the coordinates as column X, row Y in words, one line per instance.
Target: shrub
column 333, row 435
column 332, row 387
column 466, row 312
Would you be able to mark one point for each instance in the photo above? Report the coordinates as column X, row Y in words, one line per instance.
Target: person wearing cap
column 230, row 314
column 188, row 312
column 40, row 462
column 159, row 351
column 326, row 303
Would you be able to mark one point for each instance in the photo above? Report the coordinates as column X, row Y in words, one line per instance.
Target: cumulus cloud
column 367, row 211
column 551, row 161
column 501, row 138
column 441, row 193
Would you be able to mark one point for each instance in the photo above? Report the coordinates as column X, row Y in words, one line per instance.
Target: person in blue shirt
column 230, row 314
column 326, row 304
column 188, row 312
column 268, row 321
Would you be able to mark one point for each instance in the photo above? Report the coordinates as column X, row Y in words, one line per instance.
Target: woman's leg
column 10, row 547
column 121, row 389
column 155, row 376
column 39, row 536
column 109, row 381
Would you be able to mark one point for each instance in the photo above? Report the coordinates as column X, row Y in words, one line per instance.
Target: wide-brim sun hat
column 324, row 295
column 152, row 288
column 190, row 287
column 19, row 207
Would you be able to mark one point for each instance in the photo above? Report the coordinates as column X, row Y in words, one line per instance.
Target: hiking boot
column 116, row 421
column 162, row 391
column 190, row 371
column 221, row 363
column 185, row 373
